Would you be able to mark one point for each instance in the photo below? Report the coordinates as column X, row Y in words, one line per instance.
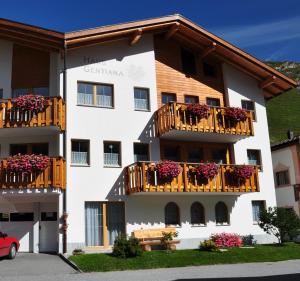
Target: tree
column 281, row 222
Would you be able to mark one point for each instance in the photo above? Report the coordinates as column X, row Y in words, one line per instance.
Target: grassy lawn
column 180, row 258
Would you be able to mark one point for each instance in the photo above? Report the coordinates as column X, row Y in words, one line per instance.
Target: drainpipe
column 65, row 215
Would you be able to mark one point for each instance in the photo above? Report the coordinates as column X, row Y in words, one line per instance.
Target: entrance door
column 93, row 224
column 48, row 232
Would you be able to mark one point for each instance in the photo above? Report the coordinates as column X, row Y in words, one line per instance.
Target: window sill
column 112, row 166
column 96, row 106
column 173, row 225
column 198, row 225
column 222, row 224
column 142, row 110
column 79, row 165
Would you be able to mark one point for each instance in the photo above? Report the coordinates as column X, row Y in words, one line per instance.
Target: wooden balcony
column 54, row 176
column 173, row 121
column 141, row 177
column 53, row 115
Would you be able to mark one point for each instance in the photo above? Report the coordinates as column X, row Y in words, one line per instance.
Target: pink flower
column 30, row 102
column 236, row 114
column 208, row 171
column 167, row 170
column 226, row 240
column 199, row 110
column 243, row 172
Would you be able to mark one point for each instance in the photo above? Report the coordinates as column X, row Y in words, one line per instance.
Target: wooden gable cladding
column 171, row 79
column 30, row 68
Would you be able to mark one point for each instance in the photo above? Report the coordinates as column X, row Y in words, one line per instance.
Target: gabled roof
column 270, row 80
column 285, row 143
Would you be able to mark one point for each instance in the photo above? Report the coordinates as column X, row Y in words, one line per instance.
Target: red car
column 8, row 246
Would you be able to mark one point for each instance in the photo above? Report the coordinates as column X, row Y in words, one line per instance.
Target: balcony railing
column 54, row 176
column 143, row 177
column 52, row 115
column 174, row 116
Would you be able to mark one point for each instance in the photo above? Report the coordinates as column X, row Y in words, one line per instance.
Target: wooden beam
column 136, row 36
column 208, row 50
column 269, row 81
column 174, row 28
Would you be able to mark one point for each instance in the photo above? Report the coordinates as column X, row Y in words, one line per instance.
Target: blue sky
column 267, row 29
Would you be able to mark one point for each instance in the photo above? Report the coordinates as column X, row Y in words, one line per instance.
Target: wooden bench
column 152, row 237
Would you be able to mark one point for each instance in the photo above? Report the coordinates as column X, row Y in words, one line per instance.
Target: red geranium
column 236, row 114
column 167, row 170
column 226, row 240
column 199, row 110
column 208, row 170
column 27, row 163
column 30, row 102
column 243, row 172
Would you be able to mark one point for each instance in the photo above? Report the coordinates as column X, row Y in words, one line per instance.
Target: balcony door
column 104, row 222
column 29, row 148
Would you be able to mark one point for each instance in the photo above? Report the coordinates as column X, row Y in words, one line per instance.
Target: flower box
column 30, row 102
column 236, row 114
column 168, row 170
column 243, row 172
column 208, row 171
column 198, row 110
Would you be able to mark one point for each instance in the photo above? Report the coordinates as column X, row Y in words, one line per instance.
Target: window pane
column 212, row 102
column 1, row 93
column 253, row 157
column 188, row 62
column 221, row 213
column 104, row 95
column 191, row 99
column 282, row 178
column 40, row 148
column 166, row 98
column 171, row 153
column 42, row 91
column 85, row 93
column 19, row 92
column 4, row 217
column 195, row 155
column 257, row 207
column 116, row 220
column 80, row 152
column 197, row 213
column 249, row 105
column 112, row 155
column 172, row 214
column 141, row 152
column 219, row 156
column 21, row 217
column 18, row 148
column 93, row 224
column 141, row 99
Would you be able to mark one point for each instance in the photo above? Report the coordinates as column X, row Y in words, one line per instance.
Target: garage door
column 20, row 226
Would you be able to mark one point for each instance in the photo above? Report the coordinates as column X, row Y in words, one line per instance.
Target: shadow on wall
column 149, row 132
column 118, row 191
column 288, row 277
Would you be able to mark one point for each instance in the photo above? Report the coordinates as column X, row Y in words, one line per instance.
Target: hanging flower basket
column 208, row 171
column 236, row 114
column 168, row 170
column 27, row 163
column 30, row 102
column 198, row 110
column 243, row 172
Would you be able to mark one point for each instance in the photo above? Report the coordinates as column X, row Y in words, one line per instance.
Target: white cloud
column 261, row 34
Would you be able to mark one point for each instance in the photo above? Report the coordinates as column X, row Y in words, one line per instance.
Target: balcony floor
column 29, row 131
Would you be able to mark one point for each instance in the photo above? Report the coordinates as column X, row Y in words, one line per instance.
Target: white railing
column 79, row 158
column 105, row 101
column 85, row 98
column 141, row 104
column 111, row 159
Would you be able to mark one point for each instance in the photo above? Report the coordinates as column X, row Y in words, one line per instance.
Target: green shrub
column 126, row 247
column 208, row 245
column 166, row 238
column 248, row 240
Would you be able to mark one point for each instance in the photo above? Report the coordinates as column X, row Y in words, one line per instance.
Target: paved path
column 57, row 272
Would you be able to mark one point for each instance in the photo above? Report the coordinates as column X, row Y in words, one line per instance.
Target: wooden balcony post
column 144, row 176
column 185, row 178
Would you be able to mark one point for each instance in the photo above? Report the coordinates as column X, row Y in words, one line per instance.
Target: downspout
column 65, row 214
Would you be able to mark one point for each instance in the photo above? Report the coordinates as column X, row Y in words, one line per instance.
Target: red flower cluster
column 236, row 114
column 168, row 170
column 208, row 171
column 243, row 172
column 199, row 110
column 27, row 163
column 226, row 240
column 30, row 102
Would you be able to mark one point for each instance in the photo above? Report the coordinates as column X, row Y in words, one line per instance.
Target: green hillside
column 284, row 110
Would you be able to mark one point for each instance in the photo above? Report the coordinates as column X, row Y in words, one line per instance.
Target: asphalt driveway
column 33, row 265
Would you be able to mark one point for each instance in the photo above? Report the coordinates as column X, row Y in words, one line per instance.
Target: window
column 1, row 93
column 249, row 105
column 257, row 207
column 141, row 99
column 282, row 178
column 168, row 97
column 29, row 148
column 80, row 152
column 297, row 192
column 197, row 214
column 212, row 102
column 171, row 153
column 141, row 152
column 112, row 154
column 4, row 217
column 221, row 214
column 209, row 70
column 43, row 91
column 21, row 217
column 254, row 157
column 191, row 99
column 49, row 216
column 188, row 62
column 172, row 216
column 195, row 155
column 95, row 94
column 219, row 156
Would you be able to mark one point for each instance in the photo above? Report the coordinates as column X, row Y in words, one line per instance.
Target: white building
column 119, row 95
column 286, row 166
